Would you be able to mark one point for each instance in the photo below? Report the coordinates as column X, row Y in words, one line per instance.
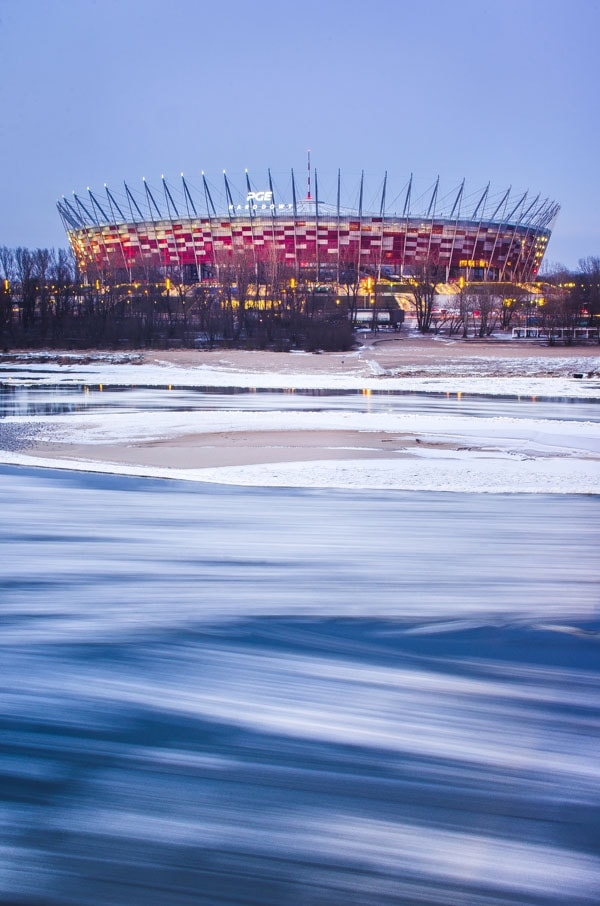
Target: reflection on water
column 244, row 696
column 29, row 400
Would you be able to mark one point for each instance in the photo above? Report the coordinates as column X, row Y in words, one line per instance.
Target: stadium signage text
column 259, row 196
column 254, row 207
column 262, row 199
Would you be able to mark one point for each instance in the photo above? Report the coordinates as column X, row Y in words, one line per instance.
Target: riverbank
column 396, row 355
column 405, row 354
column 171, row 428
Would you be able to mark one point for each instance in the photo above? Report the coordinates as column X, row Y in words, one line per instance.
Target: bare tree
column 512, row 298
column 426, row 276
column 25, row 272
column 466, row 306
column 560, row 311
column 7, row 275
column 486, row 312
column 62, row 274
column 349, row 278
column 587, row 286
column 42, row 263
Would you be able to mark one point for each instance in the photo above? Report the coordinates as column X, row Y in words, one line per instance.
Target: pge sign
column 259, row 196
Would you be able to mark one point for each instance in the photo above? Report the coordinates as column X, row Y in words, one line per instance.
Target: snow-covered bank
column 500, row 455
column 523, row 436
column 464, row 472
column 423, row 451
column 490, row 377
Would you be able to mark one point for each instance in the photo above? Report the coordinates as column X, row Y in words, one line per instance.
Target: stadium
column 191, row 233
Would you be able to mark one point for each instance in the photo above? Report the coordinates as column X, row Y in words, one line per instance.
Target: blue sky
column 101, row 91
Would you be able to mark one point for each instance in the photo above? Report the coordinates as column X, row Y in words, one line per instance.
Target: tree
column 559, row 311
column 7, row 275
column 426, row 276
column 586, row 292
column 512, row 299
column 42, row 259
column 25, row 273
column 486, row 310
column 62, row 274
column 466, row 306
column 349, row 278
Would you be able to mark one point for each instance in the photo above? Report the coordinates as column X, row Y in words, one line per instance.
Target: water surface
column 270, row 696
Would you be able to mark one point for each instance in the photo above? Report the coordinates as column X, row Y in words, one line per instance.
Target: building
column 191, row 233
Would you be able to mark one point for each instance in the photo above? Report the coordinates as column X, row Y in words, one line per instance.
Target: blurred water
column 29, row 400
column 225, row 695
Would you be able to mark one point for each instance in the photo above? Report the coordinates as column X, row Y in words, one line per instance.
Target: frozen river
column 29, row 400
column 268, row 696
column 369, row 437
column 245, row 695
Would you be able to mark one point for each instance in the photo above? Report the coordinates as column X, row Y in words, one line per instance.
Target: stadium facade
column 198, row 232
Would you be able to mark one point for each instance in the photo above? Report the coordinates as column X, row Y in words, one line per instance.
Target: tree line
column 46, row 302
column 561, row 298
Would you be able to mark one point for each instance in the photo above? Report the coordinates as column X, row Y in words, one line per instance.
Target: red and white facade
column 318, row 239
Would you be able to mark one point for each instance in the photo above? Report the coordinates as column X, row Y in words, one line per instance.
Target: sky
column 95, row 92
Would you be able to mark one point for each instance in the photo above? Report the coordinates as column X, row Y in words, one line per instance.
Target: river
column 227, row 695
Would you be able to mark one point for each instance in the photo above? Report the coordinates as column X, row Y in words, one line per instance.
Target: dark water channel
column 30, row 400
column 226, row 695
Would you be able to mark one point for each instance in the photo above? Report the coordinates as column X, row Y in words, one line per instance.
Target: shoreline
column 244, row 448
column 393, row 449
column 397, row 355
